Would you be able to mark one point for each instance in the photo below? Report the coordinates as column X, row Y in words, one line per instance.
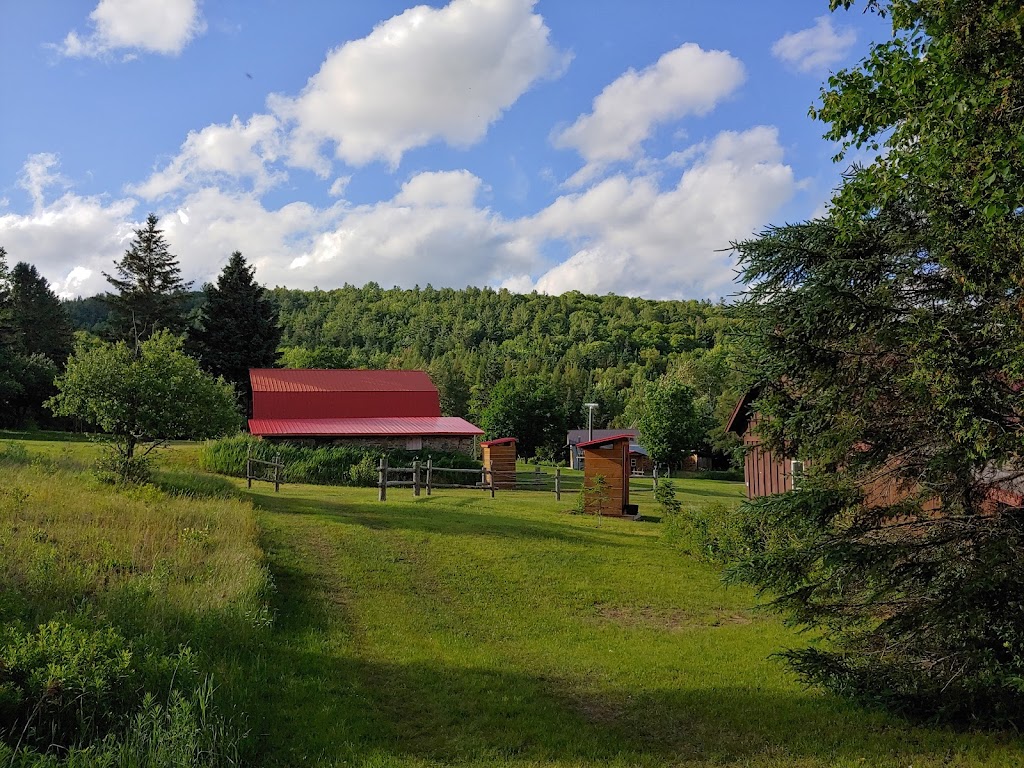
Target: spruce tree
column 238, row 327
column 150, row 292
column 886, row 342
column 41, row 321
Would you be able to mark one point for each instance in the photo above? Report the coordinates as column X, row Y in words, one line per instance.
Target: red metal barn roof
column 433, row 426
column 338, row 380
column 342, row 394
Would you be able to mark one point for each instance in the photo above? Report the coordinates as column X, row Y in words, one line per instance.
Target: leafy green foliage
column 669, row 420
column 150, row 294
column 238, row 327
column 528, row 409
column 145, row 396
column 886, row 343
column 321, row 465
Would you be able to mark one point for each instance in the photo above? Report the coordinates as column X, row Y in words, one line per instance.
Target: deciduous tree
column 671, row 426
column 528, row 409
column 144, row 396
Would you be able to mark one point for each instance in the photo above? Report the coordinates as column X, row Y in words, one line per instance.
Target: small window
column 414, row 443
column 796, row 471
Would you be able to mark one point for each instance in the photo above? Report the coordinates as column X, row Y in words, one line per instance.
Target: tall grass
column 126, row 596
column 323, row 465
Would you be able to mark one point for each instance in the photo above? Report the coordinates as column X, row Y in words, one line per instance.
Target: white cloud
column 425, row 75
column 155, row 26
column 632, row 237
column 815, row 48
column 38, row 174
column 685, row 81
column 430, row 232
column 70, row 239
column 237, row 152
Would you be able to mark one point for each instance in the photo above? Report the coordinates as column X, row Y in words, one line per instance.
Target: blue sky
column 553, row 145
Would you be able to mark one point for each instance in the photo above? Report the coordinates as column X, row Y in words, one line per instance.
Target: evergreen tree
column 238, row 327
column 887, row 344
column 151, row 294
column 41, row 322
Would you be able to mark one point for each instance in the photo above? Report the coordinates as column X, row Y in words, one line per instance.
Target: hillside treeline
column 580, row 348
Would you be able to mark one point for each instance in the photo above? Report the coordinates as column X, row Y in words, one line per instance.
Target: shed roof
column 606, row 440
column 740, row 418
column 408, row 426
column 499, row 441
column 577, row 436
column 338, row 380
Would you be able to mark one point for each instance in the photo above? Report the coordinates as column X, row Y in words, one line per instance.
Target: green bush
column 62, row 685
column 115, row 467
column 321, row 465
column 715, row 532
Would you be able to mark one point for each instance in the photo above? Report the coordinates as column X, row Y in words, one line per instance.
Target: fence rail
column 271, row 471
column 423, row 475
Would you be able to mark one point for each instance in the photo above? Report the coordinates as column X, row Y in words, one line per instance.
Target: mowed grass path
column 460, row 630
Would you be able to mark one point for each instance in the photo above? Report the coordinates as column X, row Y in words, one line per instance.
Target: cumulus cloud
column 428, row 74
column 70, row 239
column 630, row 236
column 685, row 81
column 430, row 232
column 238, row 153
column 154, row 26
column 815, row 48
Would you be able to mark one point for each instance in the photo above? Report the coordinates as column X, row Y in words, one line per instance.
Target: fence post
column 492, row 483
column 558, row 483
column 416, row 478
column 483, row 476
column 654, row 487
column 430, row 473
column 382, row 479
column 277, row 473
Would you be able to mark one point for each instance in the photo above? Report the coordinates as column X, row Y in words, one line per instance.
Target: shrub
column 62, row 685
column 115, row 467
column 364, row 472
column 716, row 532
column 320, row 465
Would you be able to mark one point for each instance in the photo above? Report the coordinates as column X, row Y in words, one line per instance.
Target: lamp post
column 590, row 419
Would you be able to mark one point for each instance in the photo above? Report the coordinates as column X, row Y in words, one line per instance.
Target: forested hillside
column 602, row 349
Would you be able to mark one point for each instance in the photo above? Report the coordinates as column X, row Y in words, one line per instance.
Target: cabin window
column 414, row 443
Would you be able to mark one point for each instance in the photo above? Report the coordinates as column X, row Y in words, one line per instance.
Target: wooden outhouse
column 607, row 457
column 499, row 459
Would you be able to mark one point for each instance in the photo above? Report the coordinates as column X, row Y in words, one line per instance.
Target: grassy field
column 457, row 629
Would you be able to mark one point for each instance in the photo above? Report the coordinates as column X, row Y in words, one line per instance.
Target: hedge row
column 324, row 465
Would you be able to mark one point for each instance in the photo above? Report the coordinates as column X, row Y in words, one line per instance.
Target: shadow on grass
column 46, row 436
column 318, row 693
column 427, row 516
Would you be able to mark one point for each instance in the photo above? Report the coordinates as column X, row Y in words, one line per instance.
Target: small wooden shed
column 499, row 458
column 607, row 457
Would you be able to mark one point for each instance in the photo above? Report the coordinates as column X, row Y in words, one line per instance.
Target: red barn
column 389, row 409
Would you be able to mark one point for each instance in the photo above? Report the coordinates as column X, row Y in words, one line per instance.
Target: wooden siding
column 765, row 473
column 500, row 460
column 611, row 461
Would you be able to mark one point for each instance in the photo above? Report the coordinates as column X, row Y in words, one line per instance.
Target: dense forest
column 603, row 349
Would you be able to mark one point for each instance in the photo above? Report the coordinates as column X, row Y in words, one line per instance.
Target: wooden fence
column 270, row 471
column 425, row 476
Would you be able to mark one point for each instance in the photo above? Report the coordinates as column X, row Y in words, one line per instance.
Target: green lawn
column 462, row 630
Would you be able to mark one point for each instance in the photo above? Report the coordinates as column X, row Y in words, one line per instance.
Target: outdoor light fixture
column 590, row 419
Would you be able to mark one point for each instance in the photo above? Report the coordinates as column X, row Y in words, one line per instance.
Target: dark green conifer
column 151, row 294
column 238, row 326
